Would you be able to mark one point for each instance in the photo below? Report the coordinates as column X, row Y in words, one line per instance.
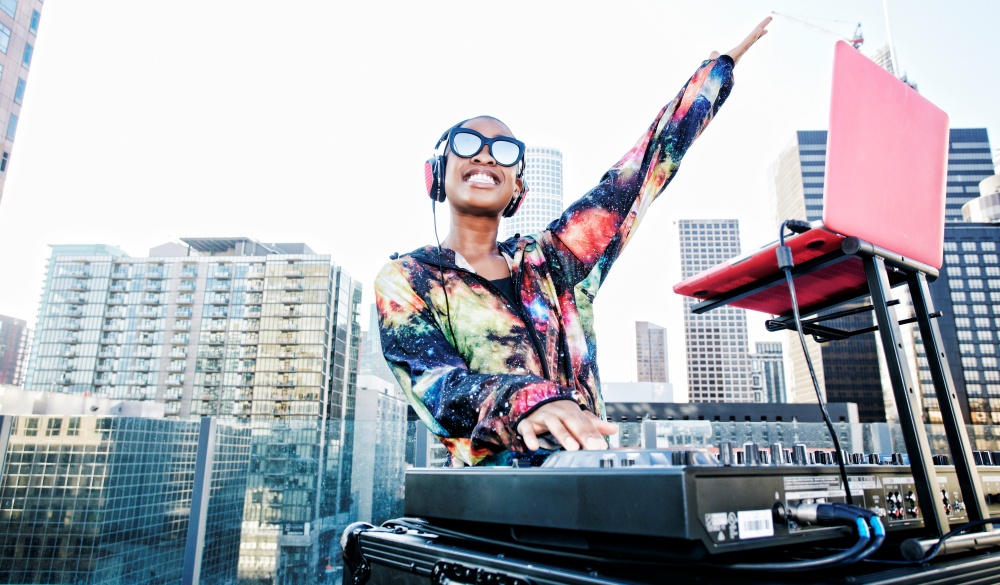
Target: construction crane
column 857, row 41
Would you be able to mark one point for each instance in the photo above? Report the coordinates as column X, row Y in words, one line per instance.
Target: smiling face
column 478, row 185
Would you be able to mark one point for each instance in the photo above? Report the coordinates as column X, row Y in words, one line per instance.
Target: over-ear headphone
column 434, row 170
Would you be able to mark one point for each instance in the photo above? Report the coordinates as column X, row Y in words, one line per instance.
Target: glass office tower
column 109, row 500
column 263, row 335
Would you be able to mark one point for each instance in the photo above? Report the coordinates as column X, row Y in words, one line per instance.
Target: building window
column 3, row 162
column 26, row 60
column 54, row 426
column 12, row 127
column 74, row 427
column 19, row 92
column 31, row 427
column 35, row 17
column 4, row 38
column 9, row 6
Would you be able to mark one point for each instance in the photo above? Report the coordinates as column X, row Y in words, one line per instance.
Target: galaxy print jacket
column 472, row 377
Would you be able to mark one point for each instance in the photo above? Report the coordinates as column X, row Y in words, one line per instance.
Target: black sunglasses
column 466, row 143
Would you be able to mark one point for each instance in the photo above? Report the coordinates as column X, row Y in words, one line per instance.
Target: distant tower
column 651, row 352
column 543, row 172
column 18, row 27
column 717, row 355
column 768, row 365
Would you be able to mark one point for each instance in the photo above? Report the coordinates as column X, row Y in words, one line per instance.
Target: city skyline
column 198, row 130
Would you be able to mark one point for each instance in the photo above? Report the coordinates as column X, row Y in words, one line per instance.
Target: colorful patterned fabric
column 472, row 377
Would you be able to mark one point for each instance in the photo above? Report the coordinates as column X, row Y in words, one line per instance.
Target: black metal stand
column 884, row 269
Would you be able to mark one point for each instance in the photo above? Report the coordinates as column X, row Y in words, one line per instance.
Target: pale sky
column 145, row 122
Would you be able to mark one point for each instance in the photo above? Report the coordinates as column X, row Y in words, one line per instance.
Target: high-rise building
column 543, row 172
column 263, row 335
column 717, row 353
column 967, row 293
column 969, row 162
column 117, row 499
column 768, row 366
column 15, row 342
column 380, row 429
column 19, row 21
column 651, row 352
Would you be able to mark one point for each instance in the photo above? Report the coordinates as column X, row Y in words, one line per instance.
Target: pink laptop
column 886, row 172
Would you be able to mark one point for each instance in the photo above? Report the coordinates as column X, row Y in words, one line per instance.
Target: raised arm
column 596, row 228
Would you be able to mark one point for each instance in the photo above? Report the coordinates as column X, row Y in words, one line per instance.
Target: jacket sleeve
column 474, row 414
column 592, row 232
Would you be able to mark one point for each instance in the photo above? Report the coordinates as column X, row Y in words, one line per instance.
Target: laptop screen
column 886, row 160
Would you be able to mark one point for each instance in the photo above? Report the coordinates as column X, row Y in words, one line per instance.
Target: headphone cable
column 444, row 286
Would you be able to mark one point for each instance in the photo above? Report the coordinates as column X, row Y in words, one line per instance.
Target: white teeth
column 481, row 178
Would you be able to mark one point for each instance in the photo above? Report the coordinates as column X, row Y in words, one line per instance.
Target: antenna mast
column 897, row 70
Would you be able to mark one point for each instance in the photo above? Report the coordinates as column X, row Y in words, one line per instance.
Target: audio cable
column 785, row 263
column 866, row 522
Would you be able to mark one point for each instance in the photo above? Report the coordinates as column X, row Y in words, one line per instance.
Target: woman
column 493, row 343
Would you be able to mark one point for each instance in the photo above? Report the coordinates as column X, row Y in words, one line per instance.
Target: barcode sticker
column 755, row 524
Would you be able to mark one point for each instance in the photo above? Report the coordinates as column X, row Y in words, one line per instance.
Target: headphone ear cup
column 434, row 178
column 515, row 203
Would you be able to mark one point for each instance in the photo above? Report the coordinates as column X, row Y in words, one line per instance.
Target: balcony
column 176, row 367
column 286, row 368
column 72, row 312
column 73, row 326
column 211, row 382
column 79, row 286
column 110, row 340
column 76, row 300
column 102, row 380
column 68, row 353
column 78, row 273
column 105, row 367
column 118, row 287
column 214, row 326
column 184, row 312
column 180, row 339
column 294, row 273
column 67, row 367
column 116, row 300
column 145, row 341
column 286, row 383
column 63, row 380
column 113, row 326
column 185, row 299
column 187, row 286
column 151, row 299
column 182, row 326
column 293, row 286
column 254, row 299
column 175, row 380
column 216, row 313
column 223, row 273
column 149, row 312
column 179, row 352
column 215, row 339
column 155, row 274
column 106, row 352
column 288, row 326
column 220, row 287
column 119, row 273
column 291, row 299
column 115, row 313
column 218, row 299
column 189, row 272
column 147, row 325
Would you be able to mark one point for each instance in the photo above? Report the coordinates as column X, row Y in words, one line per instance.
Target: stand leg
column 907, row 400
column 944, row 387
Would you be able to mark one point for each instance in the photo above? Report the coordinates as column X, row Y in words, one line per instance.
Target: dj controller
column 685, row 503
